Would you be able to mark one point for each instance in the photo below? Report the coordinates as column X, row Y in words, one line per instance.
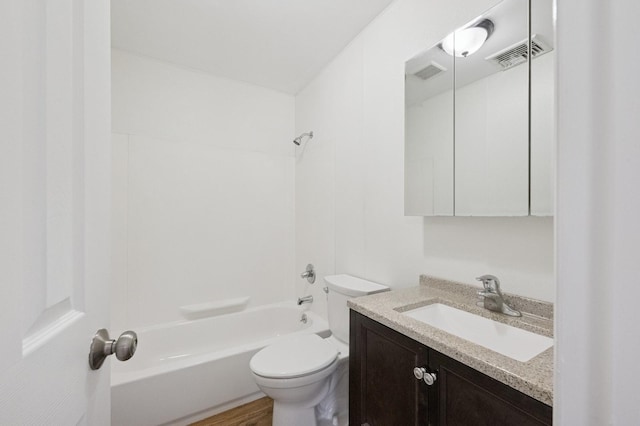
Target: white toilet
column 308, row 376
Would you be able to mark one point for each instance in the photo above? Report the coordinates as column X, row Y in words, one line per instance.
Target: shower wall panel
column 203, row 187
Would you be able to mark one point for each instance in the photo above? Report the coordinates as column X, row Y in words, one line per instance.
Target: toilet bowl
column 297, row 374
column 307, row 376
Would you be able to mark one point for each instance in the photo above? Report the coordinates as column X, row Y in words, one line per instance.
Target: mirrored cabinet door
column 479, row 130
column 543, row 109
column 492, row 114
column 429, row 150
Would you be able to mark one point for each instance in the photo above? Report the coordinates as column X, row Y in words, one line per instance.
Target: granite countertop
column 533, row 378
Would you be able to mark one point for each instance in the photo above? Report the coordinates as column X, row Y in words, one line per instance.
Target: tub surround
column 211, row 309
column 533, row 378
column 195, row 156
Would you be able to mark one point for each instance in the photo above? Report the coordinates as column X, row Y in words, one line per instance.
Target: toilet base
column 290, row 414
column 333, row 410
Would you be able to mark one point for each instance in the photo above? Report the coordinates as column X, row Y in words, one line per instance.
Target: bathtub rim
column 318, row 326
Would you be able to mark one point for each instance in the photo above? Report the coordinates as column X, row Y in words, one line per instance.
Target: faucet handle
column 488, row 294
column 309, row 273
column 487, row 280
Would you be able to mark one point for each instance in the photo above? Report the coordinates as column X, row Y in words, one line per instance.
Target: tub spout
column 305, row 299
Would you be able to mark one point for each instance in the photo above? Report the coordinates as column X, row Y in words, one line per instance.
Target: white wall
column 349, row 183
column 203, row 191
column 598, row 231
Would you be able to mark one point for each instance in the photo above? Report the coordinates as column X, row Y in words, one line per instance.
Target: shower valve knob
column 102, row 346
column 309, row 274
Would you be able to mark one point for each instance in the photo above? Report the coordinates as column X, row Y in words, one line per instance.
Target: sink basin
column 521, row 345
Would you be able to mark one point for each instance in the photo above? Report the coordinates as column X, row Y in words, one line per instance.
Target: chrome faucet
column 305, row 299
column 493, row 298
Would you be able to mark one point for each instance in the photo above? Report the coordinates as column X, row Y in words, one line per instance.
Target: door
column 467, row 397
column 382, row 387
column 54, row 209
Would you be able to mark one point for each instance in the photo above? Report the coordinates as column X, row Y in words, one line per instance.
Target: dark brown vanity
column 405, row 371
column 384, row 390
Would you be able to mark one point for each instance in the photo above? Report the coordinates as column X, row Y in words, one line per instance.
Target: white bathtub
column 187, row 370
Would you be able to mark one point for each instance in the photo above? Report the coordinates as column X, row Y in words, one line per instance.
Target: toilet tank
column 342, row 288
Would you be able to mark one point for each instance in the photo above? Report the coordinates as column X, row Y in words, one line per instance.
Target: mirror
column 543, row 111
column 479, row 117
column 429, row 126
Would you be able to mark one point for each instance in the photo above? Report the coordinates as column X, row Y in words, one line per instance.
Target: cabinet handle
column 421, row 373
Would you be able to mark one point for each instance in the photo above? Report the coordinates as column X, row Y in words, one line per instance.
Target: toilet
column 308, row 376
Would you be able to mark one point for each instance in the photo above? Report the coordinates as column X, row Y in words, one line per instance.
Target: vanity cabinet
column 384, row 391
column 380, row 390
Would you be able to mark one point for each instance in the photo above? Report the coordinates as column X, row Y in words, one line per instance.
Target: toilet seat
column 295, row 382
column 293, row 357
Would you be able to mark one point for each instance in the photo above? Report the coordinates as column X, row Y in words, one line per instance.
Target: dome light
column 467, row 41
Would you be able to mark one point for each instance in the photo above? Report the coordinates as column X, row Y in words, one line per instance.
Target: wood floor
column 256, row 413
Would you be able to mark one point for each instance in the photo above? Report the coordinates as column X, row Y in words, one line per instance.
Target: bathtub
column 188, row 370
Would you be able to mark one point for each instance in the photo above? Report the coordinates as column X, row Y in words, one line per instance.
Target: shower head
column 298, row 140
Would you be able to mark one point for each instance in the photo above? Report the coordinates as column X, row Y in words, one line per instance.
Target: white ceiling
column 279, row 44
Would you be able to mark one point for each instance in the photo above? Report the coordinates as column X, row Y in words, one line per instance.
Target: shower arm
column 298, row 140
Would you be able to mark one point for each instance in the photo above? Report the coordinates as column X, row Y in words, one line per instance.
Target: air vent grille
column 517, row 54
column 430, row 71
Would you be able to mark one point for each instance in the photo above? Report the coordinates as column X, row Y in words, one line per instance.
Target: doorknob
column 102, row 346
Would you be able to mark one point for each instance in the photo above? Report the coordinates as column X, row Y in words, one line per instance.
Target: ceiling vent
column 517, row 53
column 430, row 71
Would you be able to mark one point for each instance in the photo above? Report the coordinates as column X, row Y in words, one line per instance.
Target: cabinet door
column 468, row 397
column 383, row 389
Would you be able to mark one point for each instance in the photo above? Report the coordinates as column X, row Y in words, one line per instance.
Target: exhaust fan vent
column 430, row 71
column 517, row 53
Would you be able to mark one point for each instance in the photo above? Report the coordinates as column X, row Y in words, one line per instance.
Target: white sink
column 521, row 345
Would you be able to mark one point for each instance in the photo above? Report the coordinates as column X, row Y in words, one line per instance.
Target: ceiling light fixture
column 467, row 41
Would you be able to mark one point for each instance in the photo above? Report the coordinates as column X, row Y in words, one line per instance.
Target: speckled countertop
column 533, row 378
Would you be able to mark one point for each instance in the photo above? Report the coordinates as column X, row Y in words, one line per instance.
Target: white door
column 54, row 209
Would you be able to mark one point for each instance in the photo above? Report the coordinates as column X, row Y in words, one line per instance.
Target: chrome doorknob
column 102, row 346
column 421, row 373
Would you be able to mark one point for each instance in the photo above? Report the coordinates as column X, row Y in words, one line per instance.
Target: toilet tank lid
column 353, row 286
